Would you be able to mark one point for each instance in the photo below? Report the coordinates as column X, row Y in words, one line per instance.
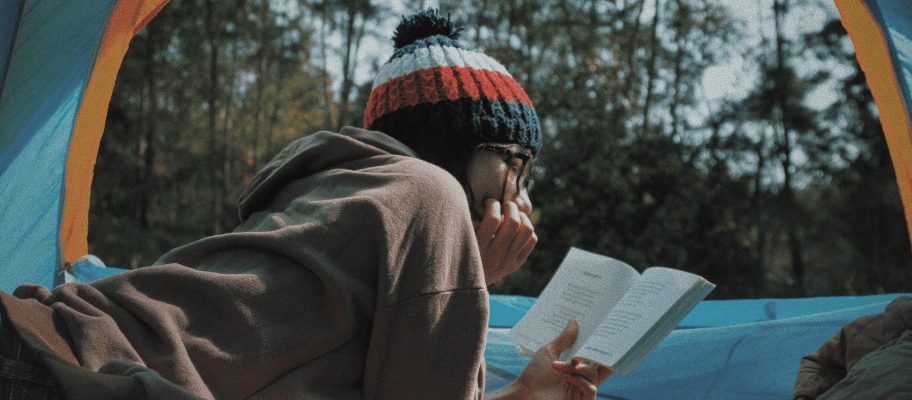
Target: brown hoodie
column 354, row 274
column 869, row 358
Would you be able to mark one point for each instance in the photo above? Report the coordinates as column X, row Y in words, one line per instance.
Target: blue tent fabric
column 723, row 349
column 8, row 17
column 734, row 349
column 895, row 17
column 48, row 52
column 881, row 33
column 58, row 63
column 87, row 268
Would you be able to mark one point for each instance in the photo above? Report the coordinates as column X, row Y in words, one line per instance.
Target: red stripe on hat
column 394, row 94
column 448, row 84
column 487, row 83
column 374, row 105
column 467, row 85
column 428, row 85
column 408, row 87
column 509, row 88
column 437, row 84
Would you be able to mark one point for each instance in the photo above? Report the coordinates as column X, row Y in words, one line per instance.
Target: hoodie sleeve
column 428, row 334
column 836, row 358
column 350, row 278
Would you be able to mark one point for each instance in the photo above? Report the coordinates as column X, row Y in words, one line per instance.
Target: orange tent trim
column 128, row 18
column 874, row 57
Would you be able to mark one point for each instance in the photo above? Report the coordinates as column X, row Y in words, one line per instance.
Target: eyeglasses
column 523, row 171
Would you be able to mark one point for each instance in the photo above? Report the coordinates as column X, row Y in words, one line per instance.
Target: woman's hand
column 546, row 378
column 505, row 237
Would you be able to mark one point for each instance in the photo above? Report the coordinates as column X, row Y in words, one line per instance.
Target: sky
column 728, row 80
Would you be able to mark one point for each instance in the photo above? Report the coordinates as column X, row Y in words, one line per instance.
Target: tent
column 58, row 63
column 881, row 31
column 723, row 349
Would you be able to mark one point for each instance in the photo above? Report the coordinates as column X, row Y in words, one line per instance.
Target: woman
column 359, row 269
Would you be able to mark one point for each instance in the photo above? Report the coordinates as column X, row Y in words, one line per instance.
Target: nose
column 523, row 202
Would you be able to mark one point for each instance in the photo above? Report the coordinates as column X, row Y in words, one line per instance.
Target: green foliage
column 763, row 194
column 201, row 103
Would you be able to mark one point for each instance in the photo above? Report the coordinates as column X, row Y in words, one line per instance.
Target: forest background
column 734, row 139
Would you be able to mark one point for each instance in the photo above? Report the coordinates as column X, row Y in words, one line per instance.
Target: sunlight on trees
column 737, row 140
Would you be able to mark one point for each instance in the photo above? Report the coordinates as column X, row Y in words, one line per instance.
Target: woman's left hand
column 546, row 378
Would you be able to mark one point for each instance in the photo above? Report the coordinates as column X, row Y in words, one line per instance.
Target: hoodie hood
column 312, row 154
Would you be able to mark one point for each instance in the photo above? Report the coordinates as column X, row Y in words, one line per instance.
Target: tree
column 204, row 97
column 607, row 180
column 755, row 192
column 862, row 202
column 353, row 19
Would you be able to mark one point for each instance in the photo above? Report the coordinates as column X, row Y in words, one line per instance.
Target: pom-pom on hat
column 440, row 98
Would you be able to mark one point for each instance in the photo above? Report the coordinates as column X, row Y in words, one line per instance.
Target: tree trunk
column 347, row 69
column 328, row 119
column 651, row 70
column 679, row 59
column 148, row 149
column 216, row 166
column 784, row 148
column 631, row 49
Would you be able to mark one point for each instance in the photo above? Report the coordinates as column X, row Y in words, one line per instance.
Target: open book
column 622, row 314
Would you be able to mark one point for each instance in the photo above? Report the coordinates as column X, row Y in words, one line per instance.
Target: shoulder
column 426, row 185
column 430, row 245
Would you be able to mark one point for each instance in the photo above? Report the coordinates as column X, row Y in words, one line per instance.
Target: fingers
column 586, row 389
column 511, row 239
column 489, row 223
column 525, row 242
column 591, row 372
column 602, row 374
column 508, row 229
column 566, row 338
column 505, row 237
column 585, row 376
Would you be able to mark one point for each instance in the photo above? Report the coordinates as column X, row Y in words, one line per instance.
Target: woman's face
column 492, row 173
column 498, row 195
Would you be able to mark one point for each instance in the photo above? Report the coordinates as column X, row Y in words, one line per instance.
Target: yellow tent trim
column 873, row 54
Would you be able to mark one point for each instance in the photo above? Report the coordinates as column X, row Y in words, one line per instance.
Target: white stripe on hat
column 436, row 56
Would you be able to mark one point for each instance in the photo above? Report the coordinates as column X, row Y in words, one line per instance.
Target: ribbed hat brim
column 492, row 120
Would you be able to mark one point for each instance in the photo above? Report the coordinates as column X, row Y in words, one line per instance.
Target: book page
column 586, row 287
column 657, row 291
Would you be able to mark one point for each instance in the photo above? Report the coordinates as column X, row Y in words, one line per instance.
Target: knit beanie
column 442, row 99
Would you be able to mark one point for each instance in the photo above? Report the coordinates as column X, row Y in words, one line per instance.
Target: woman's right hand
column 505, row 237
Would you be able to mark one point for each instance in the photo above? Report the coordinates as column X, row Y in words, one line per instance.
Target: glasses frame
column 524, row 179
